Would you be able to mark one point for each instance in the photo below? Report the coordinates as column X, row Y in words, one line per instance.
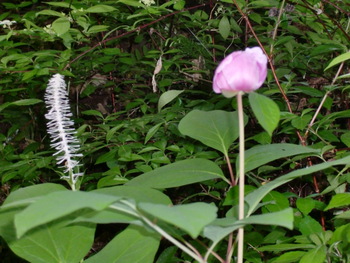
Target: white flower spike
column 60, row 127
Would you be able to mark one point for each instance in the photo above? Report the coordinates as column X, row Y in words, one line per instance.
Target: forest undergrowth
column 157, row 165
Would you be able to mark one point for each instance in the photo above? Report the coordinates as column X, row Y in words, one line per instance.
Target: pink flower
column 243, row 71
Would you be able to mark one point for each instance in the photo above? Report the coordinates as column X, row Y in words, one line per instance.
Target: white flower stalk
column 60, row 128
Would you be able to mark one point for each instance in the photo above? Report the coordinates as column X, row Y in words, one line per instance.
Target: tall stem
column 241, row 176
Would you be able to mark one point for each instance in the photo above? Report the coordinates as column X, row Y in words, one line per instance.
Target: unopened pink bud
column 243, row 71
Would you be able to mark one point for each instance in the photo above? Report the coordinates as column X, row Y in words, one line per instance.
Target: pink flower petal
column 242, row 71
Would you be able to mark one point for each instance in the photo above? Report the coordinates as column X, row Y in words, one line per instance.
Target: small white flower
column 7, row 23
column 147, row 2
column 219, row 10
column 60, row 127
column 48, row 29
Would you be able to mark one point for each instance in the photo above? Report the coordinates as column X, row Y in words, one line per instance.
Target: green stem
column 241, row 176
column 194, row 254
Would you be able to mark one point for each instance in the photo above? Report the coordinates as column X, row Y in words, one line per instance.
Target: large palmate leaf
column 134, row 244
column 180, row 173
column 217, row 129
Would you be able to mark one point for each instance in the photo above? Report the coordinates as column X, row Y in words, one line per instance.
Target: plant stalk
column 241, row 176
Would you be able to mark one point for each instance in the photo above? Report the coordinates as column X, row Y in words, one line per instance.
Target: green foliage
column 216, row 129
column 266, row 111
column 156, row 140
column 134, row 244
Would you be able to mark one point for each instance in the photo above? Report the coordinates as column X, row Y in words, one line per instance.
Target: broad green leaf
column 338, row 200
column 338, row 59
column 305, row 205
column 61, row 25
column 57, row 205
column 254, row 197
column 282, row 218
column 316, row 255
column 224, row 27
column 222, row 227
column 15, row 202
column 179, row 173
column 263, row 154
column 265, row 110
column 7, row 229
column 290, row 257
column 167, row 97
column 100, row 9
column 55, row 244
column 134, row 244
column 190, row 217
column 118, row 212
column 26, row 195
column 217, row 129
